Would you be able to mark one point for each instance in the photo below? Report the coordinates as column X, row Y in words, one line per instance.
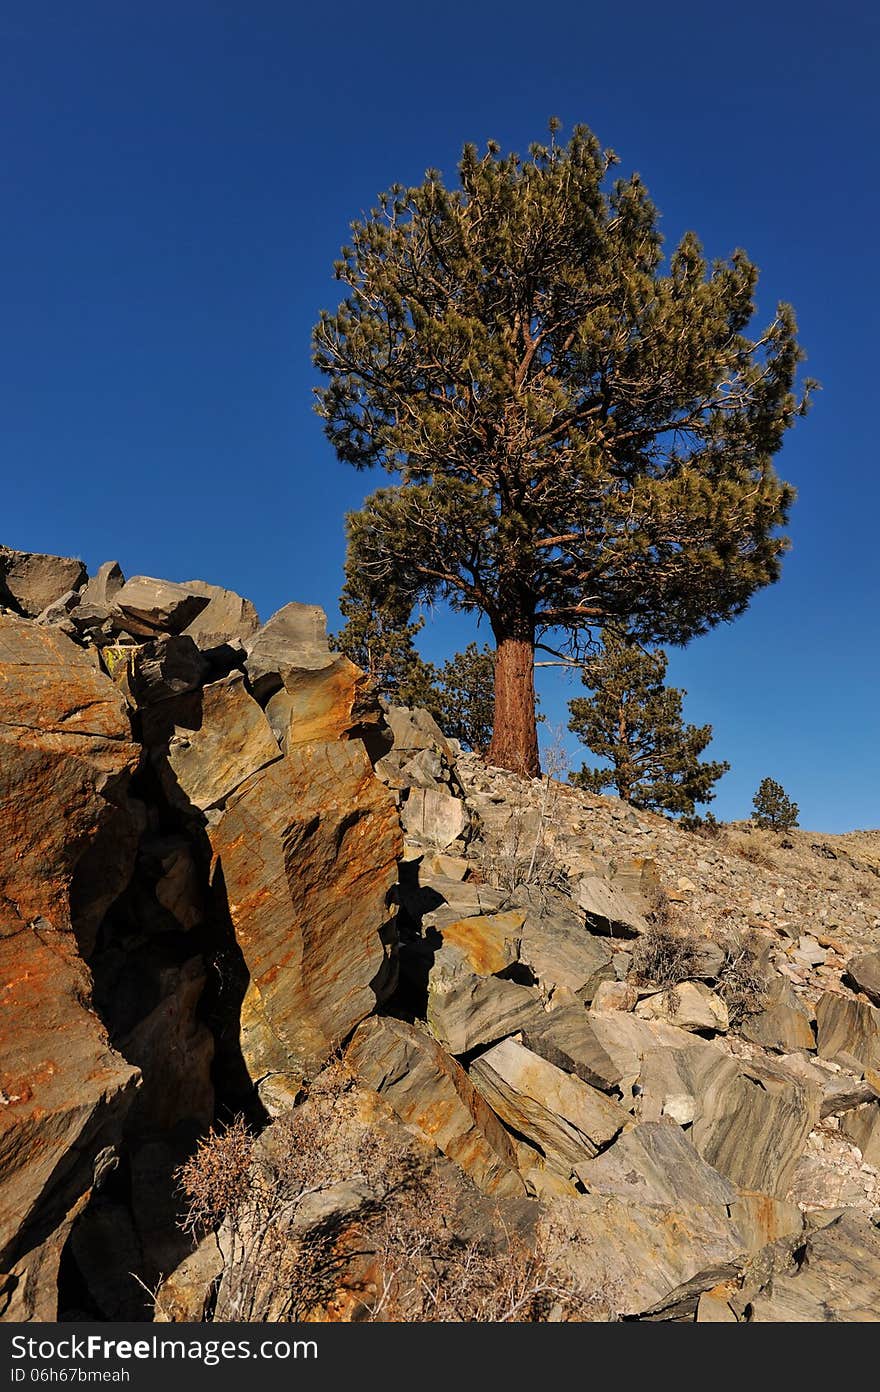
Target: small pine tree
column 467, row 697
column 635, row 722
column 383, row 644
column 774, row 809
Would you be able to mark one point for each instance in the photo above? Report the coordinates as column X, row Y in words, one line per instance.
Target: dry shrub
column 743, row 980
column 519, row 853
column 665, row 956
column 428, row 1275
column 295, row 1249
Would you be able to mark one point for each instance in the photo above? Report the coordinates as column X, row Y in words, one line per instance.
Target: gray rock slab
column 567, row 1120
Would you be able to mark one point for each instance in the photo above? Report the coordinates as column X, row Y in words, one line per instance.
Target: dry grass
column 751, row 846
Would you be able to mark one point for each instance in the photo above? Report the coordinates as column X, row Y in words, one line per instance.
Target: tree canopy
column 635, row 722
column 582, row 433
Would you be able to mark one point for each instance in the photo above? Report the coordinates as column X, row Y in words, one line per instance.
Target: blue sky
column 177, row 178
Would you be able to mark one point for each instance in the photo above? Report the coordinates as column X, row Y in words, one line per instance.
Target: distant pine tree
column 635, row 722
column 383, row 644
column 467, row 697
column 774, row 809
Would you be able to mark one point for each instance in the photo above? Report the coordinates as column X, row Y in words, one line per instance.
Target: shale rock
column 784, row 1026
column 293, row 640
column 187, row 1296
column 565, row 1037
column 559, row 951
column 431, row 1092
column 65, row 748
column 565, row 1118
column 206, row 744
column 848, row 1030
column 690, row 1005
column 864, row 973
column 145, row 607
column 489, row 942
column 166, row 667
column 608, row 909
column 647, row 1259
column 862, row 1126
column 64, row 1093
column 656, row 1163
column 434, row 817
column 474, row 1010
column 226, row 618
column 29, row 581
column 307, row 850
column 836, row 1282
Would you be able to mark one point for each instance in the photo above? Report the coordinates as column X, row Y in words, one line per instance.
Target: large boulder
column 749, row 1121
column 608, row 909
column 647, row 1259
column 836, row 1281
column 226, row 618
column 783, row 1024
column 848, row 1031
column 429, row 1091
column 310, row 693
column 435, row 817
column 565, row 1037
column 294, row 639
column 30, row 581
column 690, row 1005
column 489, row 942
column 656, row 1163
column 467, row 1010
column 66, row 757
column 864, row 973
column 559, row 951
column 145, row 606
column 307, row 852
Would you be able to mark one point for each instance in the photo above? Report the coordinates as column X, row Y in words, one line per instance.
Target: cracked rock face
column 66, row 756
column 307, row 849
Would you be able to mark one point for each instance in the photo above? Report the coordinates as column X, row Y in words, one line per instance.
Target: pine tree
column 774, row 809
column 467, row 697
column 382, row 643
column 583, row 433
column 635, row 722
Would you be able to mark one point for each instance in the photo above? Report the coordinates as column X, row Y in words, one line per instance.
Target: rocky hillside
column 309, row 1015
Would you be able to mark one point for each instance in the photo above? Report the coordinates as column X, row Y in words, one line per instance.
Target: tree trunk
column 515, row 732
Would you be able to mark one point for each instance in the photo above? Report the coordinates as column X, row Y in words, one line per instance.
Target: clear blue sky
column 177, row 179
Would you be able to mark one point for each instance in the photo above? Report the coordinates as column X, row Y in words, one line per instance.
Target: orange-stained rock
column 307, row 849
column 490, row 942
column 65, row 759
column 63, row 1091
column 331, row 702
column 430, row 1091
